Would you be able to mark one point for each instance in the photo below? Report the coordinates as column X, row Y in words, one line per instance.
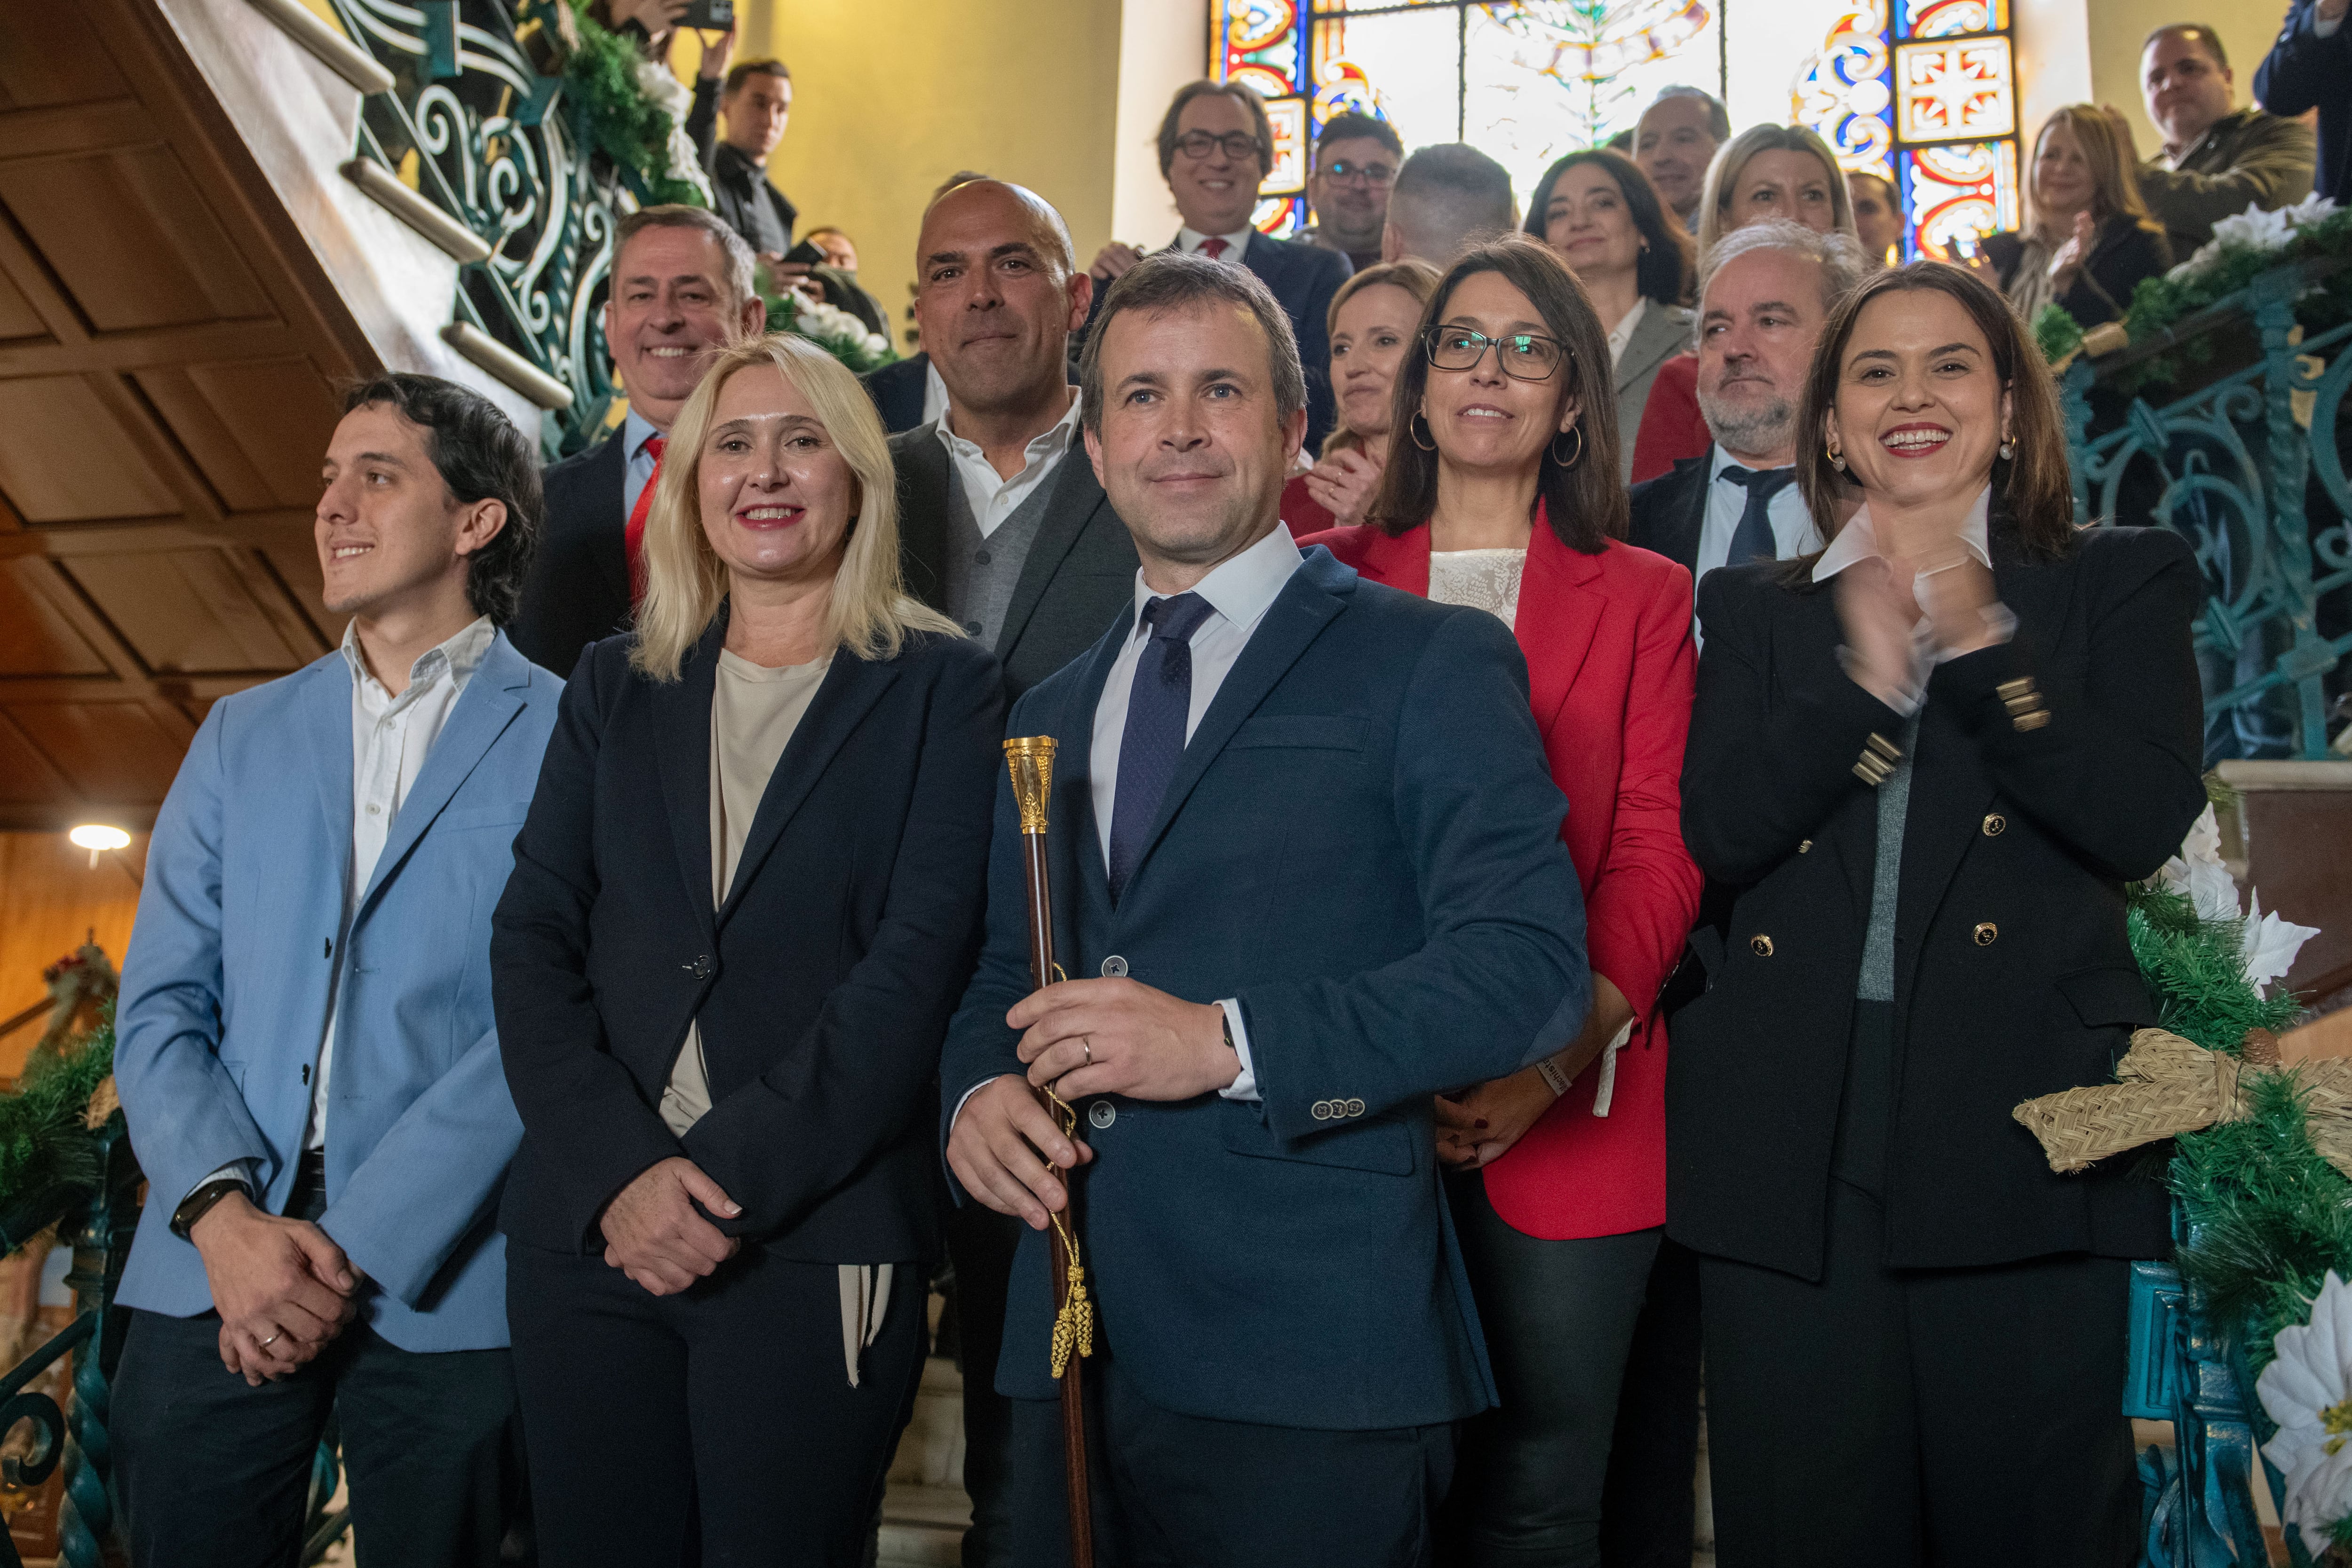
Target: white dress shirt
column 1793, row 533
column 994, row 498
column 1858, row 541
column 1190, row 240
column 935, row 393
column 1622, row 333
column 636, row 431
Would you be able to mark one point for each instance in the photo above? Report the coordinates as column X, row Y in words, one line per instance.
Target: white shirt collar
column 636, row 431
column 458, row 658
column 1047, row 444
column 1188, row 239
column 1622, row 333
column 1241, row 588
column 1857, row 541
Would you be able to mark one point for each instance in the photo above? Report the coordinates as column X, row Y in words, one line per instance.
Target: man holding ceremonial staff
column 1308, row 871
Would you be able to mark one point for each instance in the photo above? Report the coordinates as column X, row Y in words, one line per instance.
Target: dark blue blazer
column 1362, row 844
column 821, row 985
column 896, row 389
column 1303, row 279
column 2305, row 71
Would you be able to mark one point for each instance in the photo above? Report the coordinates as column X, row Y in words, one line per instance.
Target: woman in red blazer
column 1502, row 491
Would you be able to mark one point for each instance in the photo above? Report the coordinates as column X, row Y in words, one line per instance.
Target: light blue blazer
column 240, row 940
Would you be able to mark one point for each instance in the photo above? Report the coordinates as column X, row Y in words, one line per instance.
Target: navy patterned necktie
column 1158, row 706
column 1753, row 541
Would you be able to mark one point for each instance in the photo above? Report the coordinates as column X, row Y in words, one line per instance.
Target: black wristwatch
column 199, row 1203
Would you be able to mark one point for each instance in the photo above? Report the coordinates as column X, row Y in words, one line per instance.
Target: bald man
column 1004, row 527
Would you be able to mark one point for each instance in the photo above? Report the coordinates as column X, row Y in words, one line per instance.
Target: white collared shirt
column 1622, row 333
column 636, row 431
column 992, row 498
column 935, row 393
column 1190, row 240
column 1793, row 533
column 1858, row 541
column 1240, row 591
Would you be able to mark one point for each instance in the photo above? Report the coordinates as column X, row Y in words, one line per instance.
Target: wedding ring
column 272, row 1340
column 1086, row 1044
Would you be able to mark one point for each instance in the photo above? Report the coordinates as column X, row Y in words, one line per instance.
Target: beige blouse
column 753, row 712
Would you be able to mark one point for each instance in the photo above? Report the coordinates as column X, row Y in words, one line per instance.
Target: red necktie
column 635, row 541
column 1213, row 248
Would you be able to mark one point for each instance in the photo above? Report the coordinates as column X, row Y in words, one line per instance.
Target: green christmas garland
column 46, row 1140
column 629, row 128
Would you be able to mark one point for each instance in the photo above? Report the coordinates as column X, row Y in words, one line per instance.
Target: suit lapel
column 923, row 479
column 327, row 708
column 488, row 705
column 1318, row 590
column 610, row 477
column 1074, row 783
column 1657, row 337
column 1076, row 499
column 682, row 755
column 849, row 692
column 1560, row 607
column 1400, row 560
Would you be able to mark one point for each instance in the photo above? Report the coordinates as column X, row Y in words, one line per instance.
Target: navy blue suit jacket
column 1362, row 844
column 1303, row 277
column 2305, row 71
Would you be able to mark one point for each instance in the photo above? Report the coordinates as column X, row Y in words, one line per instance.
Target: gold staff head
column 1030, row 758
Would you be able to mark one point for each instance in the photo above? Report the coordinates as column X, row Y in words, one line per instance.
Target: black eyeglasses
column 1200, row 145
column 1523, row 356
column 1371, row 173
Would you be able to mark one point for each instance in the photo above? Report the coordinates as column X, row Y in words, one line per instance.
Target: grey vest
column 979, row 573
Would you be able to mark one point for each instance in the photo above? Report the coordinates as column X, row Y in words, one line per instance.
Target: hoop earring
column 1552, row 449
column 2008, row 451
column 1413, row 427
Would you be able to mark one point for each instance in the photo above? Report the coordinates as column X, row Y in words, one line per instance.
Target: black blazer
column 822, row 987
column 577, row 590
column 896, row 389
column 2102, row 290
column 1303, row 277
column 1669, row 511
column 2013, row 977
column 1079, row 579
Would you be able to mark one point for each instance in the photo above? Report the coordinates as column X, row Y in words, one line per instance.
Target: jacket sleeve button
column 1761, row 946
column 1987, row 934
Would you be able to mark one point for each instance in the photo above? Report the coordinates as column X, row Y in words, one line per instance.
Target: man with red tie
column 681, row 287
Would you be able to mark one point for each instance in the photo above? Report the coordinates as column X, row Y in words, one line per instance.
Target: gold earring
column 2008, row 451
column 1836, row 460
column 1415, row 426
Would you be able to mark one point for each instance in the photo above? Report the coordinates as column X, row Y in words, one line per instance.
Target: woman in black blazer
column 2089, row 239
column 743, row 907
column 1924, row 762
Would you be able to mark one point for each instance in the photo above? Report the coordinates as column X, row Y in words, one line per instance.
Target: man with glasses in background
column 1215, row 148
column 1356, row 159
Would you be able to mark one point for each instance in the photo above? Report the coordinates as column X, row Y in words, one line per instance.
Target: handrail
column 2233, row 309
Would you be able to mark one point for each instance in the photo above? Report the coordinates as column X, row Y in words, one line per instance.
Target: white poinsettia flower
column 2307, row 1391
column 2200, row 872
column 2271, row 946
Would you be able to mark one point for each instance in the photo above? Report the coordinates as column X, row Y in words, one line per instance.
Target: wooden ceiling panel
column 52, row 54
column 297, row 567
column 188, row 611
column 257, row 428
column 129, row 233
column 36, row 639
column 65, row 458
column 115, row 753
column 26, row 778
column 17, row 316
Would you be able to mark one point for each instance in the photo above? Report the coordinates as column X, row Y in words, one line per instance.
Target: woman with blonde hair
column 2088, row 238
column 1372, row 323
column 743, row 904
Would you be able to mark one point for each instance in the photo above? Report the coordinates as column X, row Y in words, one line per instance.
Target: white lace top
column 1486, row 579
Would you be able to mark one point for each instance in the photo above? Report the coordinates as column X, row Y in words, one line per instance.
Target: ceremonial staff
column 1030, row 759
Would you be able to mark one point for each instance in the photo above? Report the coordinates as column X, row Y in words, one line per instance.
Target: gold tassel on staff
column 1030, row 759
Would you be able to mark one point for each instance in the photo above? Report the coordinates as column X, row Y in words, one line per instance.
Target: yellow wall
column 890, row 96
column 51, row 901
column 2117, row 27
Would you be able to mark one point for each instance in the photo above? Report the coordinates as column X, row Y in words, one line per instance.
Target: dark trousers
column 1649, row 1506
column 1887, row 1418
column 981, row 1244
column 215, row 1474
column 1559, row 1317
column 1184, row 1491
column 714, row 1427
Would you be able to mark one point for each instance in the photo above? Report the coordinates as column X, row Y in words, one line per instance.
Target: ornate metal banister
column 2228, row 465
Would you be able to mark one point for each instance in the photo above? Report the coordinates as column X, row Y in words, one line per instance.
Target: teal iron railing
column 2237, row 467
column 476, row 123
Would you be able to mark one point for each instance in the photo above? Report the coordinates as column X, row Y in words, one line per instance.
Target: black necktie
column 1159, row 706
column 1752, row 539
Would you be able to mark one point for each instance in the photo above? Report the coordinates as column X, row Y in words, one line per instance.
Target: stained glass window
column 1924, row 92
column 1522, row 81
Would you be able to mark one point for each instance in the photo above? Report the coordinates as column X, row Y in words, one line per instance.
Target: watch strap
column 199, row 1203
